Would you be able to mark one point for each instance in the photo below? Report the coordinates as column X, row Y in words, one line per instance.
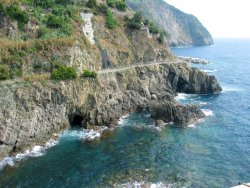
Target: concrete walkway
column 106, row 71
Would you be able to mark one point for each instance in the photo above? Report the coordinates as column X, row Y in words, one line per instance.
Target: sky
column 222, row 18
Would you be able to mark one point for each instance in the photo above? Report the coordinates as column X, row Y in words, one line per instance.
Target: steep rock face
column 182, row 28
column 192, row 80
column 179, row 114
column 31, row 112
column 121, row 48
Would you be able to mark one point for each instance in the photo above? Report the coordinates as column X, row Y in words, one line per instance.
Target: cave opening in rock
column 76, row 120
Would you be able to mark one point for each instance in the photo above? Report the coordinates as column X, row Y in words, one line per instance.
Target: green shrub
column 4, row 72
column 103, row 8
column 44, row 3
column 136, row 21
column 121, row 5
column 91, row 3
column 146, row 22
column 42, row 32
column 58, row 11
column 2, row 10
column 67, row 29
column 63, row 2
column 161, row 37
column 16, row 67
column 64, row 73
column 110, row 21
column 111, row 3
column 42, row 67
column 89, row 73
column 153, row 28
column 17, row 14
column 55, row 21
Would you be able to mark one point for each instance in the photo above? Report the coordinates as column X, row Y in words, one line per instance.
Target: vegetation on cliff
column 181, row 28
column 63, row 40
column 34, row 34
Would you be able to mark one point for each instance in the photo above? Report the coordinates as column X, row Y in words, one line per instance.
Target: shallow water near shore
column 212, row 153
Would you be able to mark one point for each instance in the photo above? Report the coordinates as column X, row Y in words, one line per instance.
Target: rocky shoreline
column 193, row 60
column 31, row 112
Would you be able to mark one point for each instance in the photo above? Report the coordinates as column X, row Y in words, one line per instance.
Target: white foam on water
column 159, row 185
column 203, row 103
column 210, row 70
column 40, row 150
column 207, row 112
column 182, row 96
column 7, row 161
column 83, row 134
column 230, row 89
column 92, row 135
column 147, row 115
column 194, row 124
column 122, row 119
column 143, row 184
column 36, row 151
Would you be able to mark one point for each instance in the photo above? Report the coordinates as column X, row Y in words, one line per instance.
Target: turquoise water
column 213, row 153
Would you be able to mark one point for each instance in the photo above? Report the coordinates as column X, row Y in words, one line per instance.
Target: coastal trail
column 112, row 70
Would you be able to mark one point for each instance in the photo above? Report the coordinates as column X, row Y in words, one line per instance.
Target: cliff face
column 31, row 112
column 182, row 28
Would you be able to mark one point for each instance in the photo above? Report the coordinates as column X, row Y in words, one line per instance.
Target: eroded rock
column 30, row 113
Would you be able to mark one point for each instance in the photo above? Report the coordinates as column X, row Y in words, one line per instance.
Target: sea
column 214, row 152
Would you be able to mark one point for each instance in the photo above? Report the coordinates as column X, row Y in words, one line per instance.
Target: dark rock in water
column 185, row 79
column 176, row 113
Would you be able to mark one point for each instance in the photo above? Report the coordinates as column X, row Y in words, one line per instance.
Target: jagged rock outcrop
column 31, row 112
column 182, row 29
column 192, row 80
column 179, row 114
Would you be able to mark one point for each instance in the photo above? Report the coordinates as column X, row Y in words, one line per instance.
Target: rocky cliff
column 33, row 106
column 182, row 29
column 31, row 112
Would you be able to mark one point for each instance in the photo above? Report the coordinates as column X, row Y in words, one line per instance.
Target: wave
column 207, row 112
column 40, row 150
column 192, row 125
column 144, row 184
column 82, row 134
column 210, row 70
column 36, row 151
column 122, row 119
column 230, row 89
column 203, row 103
column 197, row 122
column 147, row 115
column 182, row 96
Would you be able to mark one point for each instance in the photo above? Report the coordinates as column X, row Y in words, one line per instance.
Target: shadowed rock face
column 31, row 112
column 182, row 29
column 178, row 114
column 192, row 80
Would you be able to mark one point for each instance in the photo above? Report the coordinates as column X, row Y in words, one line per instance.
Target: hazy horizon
column 223, row 19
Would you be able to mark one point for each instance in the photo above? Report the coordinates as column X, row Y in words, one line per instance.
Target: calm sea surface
column 213, row 153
